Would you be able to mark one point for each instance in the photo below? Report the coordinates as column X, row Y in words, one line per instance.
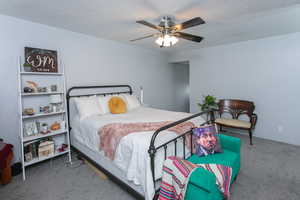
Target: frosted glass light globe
column 166, row 40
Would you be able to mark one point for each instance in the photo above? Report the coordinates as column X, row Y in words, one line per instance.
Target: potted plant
column 27, row 67
column 209, row 102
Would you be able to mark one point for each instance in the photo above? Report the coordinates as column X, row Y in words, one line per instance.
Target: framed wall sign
column 41, row 60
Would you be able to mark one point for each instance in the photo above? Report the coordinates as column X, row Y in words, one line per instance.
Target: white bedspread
column 132, row 153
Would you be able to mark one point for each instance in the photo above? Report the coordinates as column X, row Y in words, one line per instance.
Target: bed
column 138, row 159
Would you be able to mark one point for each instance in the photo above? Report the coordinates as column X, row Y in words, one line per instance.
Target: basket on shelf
column 46, row 149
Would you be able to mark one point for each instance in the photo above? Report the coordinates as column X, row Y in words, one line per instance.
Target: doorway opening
column 181, row 76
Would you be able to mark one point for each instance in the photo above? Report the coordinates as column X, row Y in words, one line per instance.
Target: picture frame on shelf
column 28, row 156
column 30, row 128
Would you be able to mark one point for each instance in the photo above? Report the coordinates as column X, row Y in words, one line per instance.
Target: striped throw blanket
column 176, row 173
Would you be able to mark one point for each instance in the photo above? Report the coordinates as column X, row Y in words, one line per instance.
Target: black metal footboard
column 184, row 136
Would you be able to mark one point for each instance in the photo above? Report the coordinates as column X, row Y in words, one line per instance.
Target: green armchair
column 202, row 183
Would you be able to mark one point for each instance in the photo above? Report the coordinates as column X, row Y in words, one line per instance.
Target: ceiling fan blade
column 143, row 22
column 147, row 36
column 190, row 23
column 187, row 36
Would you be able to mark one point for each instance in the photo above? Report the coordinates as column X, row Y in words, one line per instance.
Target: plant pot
column 27, row 68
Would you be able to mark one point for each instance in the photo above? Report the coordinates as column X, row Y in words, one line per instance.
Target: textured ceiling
column 227, row 21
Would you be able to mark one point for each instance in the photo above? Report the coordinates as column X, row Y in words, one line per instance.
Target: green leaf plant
column 208, row 102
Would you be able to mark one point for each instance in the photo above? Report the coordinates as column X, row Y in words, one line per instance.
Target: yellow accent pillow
column 117, row 105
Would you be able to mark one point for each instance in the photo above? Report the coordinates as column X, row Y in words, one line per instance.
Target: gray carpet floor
column 269, row 171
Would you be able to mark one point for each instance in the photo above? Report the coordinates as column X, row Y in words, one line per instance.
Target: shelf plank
column 37, row 160
column 41, row 115
column 42, row 73
column 40, row 93
column 40, row 136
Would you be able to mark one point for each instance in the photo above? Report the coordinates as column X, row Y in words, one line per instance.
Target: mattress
column 131, row 157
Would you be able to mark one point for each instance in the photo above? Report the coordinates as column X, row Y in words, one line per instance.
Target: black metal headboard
column 98, row 87
column 126, row 90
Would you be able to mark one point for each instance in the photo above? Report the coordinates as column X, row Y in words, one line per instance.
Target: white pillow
column 88, row 106
column 103, row 102
column 131, row 101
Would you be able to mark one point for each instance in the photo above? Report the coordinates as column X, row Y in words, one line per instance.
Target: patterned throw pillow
column 206, row 140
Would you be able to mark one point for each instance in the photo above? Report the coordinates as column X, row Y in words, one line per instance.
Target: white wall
column 88, row 60
column 266, row 71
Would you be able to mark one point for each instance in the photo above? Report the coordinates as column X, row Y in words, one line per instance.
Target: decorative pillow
column 88, row 106
column 103, row 101
column 117, row 105
column 206, row 140
column 132, row 101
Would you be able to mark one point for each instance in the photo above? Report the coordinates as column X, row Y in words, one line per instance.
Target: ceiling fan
column 169, row 32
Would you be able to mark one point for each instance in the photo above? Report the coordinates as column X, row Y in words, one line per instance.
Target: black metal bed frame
column 152, row 149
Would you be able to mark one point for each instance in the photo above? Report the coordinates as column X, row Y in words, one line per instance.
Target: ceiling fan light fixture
column 166, row 40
